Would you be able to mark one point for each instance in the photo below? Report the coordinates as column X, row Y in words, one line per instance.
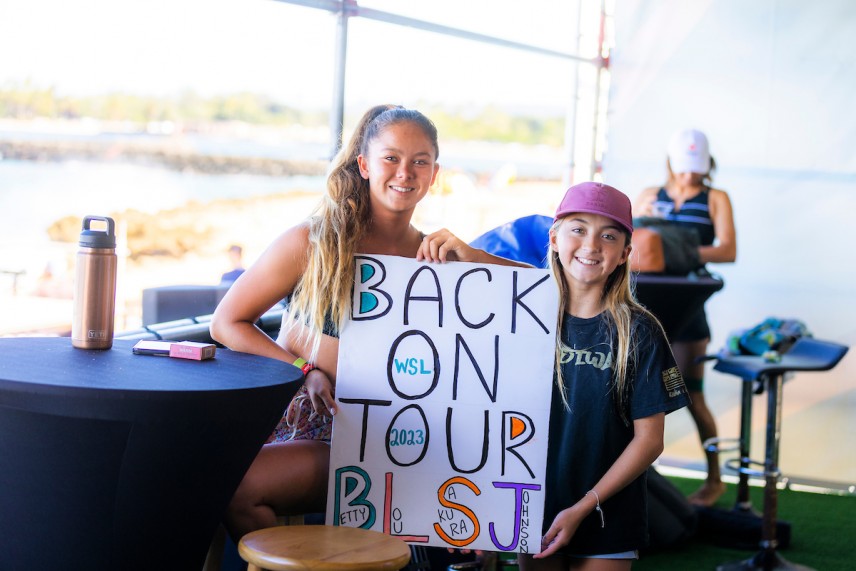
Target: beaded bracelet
column 597, row 507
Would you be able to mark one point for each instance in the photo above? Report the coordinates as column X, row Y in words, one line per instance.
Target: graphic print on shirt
column 581, row 357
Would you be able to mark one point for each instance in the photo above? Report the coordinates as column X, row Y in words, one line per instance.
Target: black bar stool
column 807, row 354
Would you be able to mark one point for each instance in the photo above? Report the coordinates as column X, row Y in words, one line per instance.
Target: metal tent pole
column 337, row 107
column 571, row 116
column 346, row 9
column 602, row 64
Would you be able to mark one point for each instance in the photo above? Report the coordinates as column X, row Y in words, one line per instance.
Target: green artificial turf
column 823, row 533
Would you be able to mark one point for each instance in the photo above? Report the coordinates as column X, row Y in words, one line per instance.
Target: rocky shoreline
column 163, row 155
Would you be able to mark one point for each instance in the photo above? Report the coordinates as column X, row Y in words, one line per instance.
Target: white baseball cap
column 689, row 152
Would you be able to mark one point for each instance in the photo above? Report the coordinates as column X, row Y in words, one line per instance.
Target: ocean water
column 33, row 195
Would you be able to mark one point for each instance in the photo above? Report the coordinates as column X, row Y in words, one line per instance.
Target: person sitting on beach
column 236, row 255
column 54, row 284
column 375, row 184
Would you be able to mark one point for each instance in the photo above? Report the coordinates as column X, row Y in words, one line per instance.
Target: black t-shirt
column 586, row 440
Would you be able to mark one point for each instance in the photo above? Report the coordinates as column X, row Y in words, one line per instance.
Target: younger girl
column 616, row 379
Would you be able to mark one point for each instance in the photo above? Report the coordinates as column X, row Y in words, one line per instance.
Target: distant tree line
column 493, row 124
column 29, row 102
column 26, row 101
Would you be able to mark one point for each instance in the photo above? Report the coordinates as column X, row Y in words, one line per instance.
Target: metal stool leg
column 743, row 502
column 768, row 559
column 742, row 464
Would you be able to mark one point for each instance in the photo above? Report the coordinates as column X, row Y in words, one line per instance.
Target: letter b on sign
column 352, row 507
column 369, row 301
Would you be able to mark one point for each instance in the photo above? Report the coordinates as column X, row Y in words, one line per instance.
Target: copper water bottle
column 95, row 285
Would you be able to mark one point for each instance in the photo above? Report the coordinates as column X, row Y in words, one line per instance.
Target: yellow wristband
column 303, row 365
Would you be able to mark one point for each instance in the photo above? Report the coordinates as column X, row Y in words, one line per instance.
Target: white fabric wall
column 773, row 85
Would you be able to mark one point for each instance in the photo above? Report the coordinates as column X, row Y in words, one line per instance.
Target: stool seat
column 323, row 547
column 807, row 354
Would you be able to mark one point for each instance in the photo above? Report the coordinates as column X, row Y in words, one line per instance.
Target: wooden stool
column 322, row 547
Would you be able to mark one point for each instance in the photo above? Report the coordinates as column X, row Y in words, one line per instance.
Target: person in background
column 616, row 379
column 54, row 284
column 375, row 184
column 236, row 260
column 688, row 200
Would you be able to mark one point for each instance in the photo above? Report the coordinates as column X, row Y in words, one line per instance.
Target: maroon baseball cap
column 597, row 198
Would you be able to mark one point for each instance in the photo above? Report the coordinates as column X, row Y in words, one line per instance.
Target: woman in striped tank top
column 688, row 200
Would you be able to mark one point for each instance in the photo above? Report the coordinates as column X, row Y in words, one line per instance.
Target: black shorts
column 696, row 328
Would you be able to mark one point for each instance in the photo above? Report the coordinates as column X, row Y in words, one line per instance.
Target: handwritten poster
column 443, row 400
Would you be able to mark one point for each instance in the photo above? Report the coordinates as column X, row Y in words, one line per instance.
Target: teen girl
column 374, row 186
column 615, row 381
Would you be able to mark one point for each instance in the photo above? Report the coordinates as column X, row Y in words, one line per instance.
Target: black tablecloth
column 110, row 460
column 674, row 299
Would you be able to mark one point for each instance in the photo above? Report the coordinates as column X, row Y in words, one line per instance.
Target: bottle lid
column 91, row 238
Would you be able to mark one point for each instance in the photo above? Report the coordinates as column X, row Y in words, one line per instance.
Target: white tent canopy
column 772, row 84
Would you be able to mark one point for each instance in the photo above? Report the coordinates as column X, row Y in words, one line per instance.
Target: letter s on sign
column 441, row 494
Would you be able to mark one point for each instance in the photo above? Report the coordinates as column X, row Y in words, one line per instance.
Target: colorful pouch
column 307, row 425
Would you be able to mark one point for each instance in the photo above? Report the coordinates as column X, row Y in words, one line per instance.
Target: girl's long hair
column 620, row 312
column 337, row 227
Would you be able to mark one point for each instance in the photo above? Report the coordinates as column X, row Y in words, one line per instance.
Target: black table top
column 35, row 368
column 38, row 359
column 674, row 299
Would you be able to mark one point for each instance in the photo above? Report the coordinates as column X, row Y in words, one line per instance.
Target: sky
column 164, row 47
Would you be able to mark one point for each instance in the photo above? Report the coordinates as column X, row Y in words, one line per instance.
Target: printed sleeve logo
column 674, row 382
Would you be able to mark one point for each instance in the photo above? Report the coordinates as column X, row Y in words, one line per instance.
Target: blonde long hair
column 339, row 223
column 620, row 308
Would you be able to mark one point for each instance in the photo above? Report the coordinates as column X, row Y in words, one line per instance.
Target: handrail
column 197, row 328
column 352, row 9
